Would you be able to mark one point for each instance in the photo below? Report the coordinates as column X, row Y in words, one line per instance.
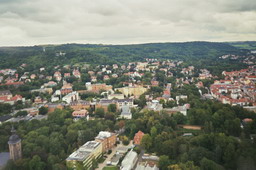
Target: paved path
column 102, row 165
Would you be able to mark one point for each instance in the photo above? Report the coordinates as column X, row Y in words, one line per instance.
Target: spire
column 14, row 138
column 13, row 130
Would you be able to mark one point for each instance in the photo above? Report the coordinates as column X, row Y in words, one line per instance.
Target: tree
column 36, row 164
column 112, row 108
column 21, row 113
column 153, row 132
column 146, row 141
column 43, row 110
column 164, row 162
column 230, row 156
column 207, row 164
column 99, row 112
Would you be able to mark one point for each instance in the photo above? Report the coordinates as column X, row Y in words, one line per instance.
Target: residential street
column 102, row 165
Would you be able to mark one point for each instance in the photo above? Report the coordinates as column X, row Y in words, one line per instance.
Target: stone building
column 15, row 146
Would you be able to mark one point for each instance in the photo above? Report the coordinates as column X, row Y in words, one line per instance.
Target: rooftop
column 84, row 151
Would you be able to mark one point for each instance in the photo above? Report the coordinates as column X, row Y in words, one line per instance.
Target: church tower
column 15, row 146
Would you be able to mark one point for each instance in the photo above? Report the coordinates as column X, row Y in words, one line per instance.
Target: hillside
column 196, row 53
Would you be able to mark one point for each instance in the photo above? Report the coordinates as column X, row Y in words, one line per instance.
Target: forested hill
column 199, row 53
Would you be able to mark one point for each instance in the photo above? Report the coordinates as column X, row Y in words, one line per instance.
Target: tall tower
column 15, row 146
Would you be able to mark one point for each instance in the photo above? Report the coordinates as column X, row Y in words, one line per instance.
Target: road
column 102, row 165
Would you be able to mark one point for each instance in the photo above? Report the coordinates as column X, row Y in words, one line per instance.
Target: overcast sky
column 33, row 22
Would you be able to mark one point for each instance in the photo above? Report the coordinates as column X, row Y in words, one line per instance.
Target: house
column 33, row 76
column 10, row 99
column 114, row 75
column 66, row 88
column 107, row 139
column 138, row 137
column 76, row 73
column 38, row 100
column 50, row 84
column 105, row 77
column 57, row 76
column 6, row 93
column 93, row 78
column 67, row 75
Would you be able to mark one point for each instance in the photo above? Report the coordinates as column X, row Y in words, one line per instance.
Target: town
column 119, row 93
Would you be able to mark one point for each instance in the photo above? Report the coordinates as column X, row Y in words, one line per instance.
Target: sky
column 35, row 22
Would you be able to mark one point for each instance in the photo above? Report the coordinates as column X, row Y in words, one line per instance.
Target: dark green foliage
column 43, row 110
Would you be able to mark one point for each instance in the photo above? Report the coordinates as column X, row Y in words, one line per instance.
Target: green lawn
column 110, row 168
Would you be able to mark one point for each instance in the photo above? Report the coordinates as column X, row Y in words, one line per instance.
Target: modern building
column 129, row 161
column 107, row 139
column 15, row 146
column 71, row 97
column 83, row 157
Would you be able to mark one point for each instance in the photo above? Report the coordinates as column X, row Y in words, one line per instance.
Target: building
column 154, row 105
column 52, row 107
column 71, row 97
column 84, row 156
column 96, row 88
column 116, row 96
column 15, row 146
column 148, row 162
column 135, row 91
column 138, row 137
column 80, row 113
column 181, row 109
column 126, row 111
column 129, row 161
column 76, row 73
column 107, row 139
column 66, row 89
column 80, row 105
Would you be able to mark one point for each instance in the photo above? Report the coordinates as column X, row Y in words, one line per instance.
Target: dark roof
column 5, row 92
column 4, row 157
column 14, row 138
column 5, row 117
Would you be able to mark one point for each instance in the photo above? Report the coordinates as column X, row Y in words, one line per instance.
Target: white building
column 71, row 97
column 129, row 161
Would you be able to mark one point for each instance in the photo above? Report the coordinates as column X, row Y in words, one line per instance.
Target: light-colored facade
column 129, row 161
column 83, row 157
column 135, row 91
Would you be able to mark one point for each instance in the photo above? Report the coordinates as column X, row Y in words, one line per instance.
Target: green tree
column 21, row 113
column 164, row 162
column 207, row 164
column 146, row 141
column 36, row 164
column 112, row 108
column 99, row 112
column 43, row 110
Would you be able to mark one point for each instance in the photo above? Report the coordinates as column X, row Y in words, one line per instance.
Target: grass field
column 110, row 168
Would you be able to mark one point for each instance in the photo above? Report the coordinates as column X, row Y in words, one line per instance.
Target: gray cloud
column 29, row 22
